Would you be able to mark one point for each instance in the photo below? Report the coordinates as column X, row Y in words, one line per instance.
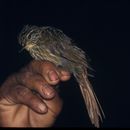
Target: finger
column 50, row 72
column 54, row 105
column 23, row 95
column 37, row 83
column 54, row 109
column 47, row 69
column 64, row 74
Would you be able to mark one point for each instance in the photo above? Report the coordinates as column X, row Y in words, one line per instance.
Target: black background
column 101, row 28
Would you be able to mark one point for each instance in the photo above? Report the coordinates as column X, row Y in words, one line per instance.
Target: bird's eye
column 33, row 36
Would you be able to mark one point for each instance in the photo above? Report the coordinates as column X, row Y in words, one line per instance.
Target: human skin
column 29, row 98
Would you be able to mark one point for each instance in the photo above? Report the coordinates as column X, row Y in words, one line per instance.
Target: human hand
column 29, row 99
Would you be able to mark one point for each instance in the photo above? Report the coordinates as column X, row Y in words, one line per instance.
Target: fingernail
column 53, row 76
column 65, row 73
column 42, row 108
column 48, row 91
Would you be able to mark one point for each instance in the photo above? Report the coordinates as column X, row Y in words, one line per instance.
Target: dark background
column 101, row 28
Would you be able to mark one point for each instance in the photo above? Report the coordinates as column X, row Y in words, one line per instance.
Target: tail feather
column 95, row 111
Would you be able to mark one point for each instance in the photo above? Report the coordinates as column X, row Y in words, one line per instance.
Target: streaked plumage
column 49, row 43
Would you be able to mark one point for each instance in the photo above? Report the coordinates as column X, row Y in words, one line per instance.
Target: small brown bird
column 49, row 43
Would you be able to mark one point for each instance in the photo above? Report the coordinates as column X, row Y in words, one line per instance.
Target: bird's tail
column 94, row 109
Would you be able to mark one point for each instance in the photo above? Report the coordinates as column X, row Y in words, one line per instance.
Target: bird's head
column 32, row 36
column 29, row 36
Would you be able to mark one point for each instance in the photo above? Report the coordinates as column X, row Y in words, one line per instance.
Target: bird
column 52, row 44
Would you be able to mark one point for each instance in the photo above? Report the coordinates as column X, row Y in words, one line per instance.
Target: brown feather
column 91, row 101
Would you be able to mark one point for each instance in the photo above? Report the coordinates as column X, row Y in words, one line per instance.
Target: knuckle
column 34, row 63
column 27, row 75
column 22, row 91
column 38, row 84
column 24, row 76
